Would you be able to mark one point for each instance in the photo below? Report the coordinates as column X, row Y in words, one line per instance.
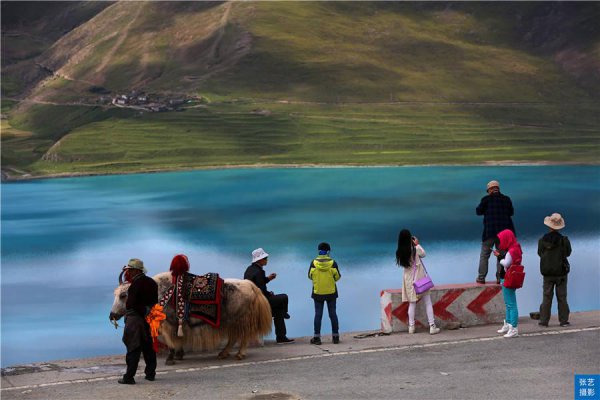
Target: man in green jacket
column 553, row 249
column 324, row 273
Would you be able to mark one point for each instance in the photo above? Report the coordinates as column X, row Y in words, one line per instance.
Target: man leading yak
column 278, row 302
column 141, row 297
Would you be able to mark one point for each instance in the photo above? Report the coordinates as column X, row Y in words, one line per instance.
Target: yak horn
column 121, row 277
column 180, row 329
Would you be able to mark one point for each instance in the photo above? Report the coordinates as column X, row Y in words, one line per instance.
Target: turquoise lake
column 64, row 241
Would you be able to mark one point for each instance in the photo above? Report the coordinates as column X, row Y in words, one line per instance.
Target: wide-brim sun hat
column 554, row 221
column 492, row 184
column 259, row 254
column 136, row 263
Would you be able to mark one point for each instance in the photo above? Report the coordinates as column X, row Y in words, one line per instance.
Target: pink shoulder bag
column 423, row 284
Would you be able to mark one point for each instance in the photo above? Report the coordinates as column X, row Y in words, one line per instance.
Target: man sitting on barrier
column 278, row 302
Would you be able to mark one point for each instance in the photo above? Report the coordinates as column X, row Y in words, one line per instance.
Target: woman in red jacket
column 512, row 255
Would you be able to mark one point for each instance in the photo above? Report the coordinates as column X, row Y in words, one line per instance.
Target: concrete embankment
column 455, row 305
column 69, row 379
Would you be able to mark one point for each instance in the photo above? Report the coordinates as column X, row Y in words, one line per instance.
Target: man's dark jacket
column 553, row 249
column 142, row 295
column 256, row 274
column 497, row 210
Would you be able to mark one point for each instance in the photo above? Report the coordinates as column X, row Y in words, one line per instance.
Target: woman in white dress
column 408, row 255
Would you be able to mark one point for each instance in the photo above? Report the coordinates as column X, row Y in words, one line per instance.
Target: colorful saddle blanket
column 196, row 296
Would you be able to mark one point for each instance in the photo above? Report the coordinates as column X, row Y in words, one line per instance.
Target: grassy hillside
column 332, row 134
column 340, row 52
column 334, row 82
column 29, row 28
column 327, row 51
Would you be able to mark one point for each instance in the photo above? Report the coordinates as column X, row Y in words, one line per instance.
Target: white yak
column 245, row 315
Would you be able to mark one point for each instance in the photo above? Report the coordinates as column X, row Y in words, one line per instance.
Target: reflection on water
column 64, row 241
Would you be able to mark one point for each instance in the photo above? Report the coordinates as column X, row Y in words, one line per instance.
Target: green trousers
column 558, row 284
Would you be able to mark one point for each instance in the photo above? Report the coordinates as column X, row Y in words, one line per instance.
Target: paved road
column 453, row 365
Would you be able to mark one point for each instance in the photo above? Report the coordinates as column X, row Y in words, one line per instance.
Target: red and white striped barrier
column 467, row 304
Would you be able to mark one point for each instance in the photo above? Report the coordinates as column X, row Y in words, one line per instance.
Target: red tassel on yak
column 179, row 265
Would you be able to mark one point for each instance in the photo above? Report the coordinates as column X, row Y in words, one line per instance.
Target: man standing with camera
column 497, row 210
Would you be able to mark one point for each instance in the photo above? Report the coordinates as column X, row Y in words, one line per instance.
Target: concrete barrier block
column 465, row 304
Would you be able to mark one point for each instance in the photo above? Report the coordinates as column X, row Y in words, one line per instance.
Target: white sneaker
column 411, row 329
column 434, row 330
column 504, row 328
column 512, row 332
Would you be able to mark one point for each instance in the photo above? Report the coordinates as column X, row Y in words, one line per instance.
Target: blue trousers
column 510, row 301
column 335, row 328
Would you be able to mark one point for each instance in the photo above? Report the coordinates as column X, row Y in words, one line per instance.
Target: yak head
column 118, row 307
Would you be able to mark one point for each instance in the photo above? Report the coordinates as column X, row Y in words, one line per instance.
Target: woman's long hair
column 406, row 249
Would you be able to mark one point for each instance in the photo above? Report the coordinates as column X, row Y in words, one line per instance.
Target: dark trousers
column 319, row 304
column 552, row 283
column 279, row 307
column 138, row 341
column 484, row 257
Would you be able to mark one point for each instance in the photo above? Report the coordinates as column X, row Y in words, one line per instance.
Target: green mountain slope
column 378, row 82
column 327, row 51
column 30, row 28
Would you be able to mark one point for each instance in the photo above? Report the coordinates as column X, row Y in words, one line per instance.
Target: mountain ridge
column 301, row 68
column 198, row 37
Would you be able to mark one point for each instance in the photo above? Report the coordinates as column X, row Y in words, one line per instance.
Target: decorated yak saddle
column 195, row 296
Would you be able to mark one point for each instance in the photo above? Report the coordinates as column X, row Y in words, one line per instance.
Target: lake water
column 64, row 241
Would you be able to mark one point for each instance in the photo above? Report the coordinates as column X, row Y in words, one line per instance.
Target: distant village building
column 153, row 102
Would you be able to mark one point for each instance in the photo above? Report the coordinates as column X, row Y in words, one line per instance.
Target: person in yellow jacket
column 324, row 273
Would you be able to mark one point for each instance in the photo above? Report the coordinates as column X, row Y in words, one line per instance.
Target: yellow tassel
column 180, row 329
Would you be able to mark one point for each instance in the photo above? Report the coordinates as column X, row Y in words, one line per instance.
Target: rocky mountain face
column 195, row 46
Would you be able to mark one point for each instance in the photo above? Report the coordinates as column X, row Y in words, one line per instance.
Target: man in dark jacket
column 141, row 297
column 497, row 210
column 553, row 249
column 278, row 302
